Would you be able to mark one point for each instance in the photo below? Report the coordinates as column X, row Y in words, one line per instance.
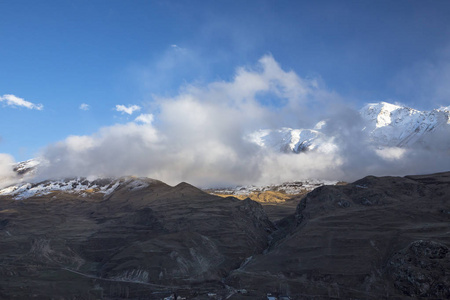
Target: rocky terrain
column 137, row 238
column 142, row 239
column 377, row 238
column 278, row 200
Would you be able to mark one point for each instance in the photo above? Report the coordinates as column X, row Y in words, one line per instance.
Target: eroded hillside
column 136, row 238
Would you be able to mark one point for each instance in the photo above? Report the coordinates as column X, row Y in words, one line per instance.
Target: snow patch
column 109, row 189
column 136, row 185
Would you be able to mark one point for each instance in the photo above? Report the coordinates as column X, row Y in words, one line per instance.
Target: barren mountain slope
column 376, row 238
column 137, row 238
column 142, row 239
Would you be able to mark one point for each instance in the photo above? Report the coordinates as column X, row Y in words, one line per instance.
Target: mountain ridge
column 385, row 125
column 373, row 238
column 385, row 131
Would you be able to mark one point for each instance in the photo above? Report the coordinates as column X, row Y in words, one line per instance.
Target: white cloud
column 7, row 175
column 112, row 151
column 128, row 110
column 84, row 106
column 391, row 153
column 144, row 118
column 6, row 164
column 198, row 137
column 79, row 143
column 14, row 101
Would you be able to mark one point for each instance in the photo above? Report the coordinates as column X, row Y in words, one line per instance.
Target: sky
column 82, row 75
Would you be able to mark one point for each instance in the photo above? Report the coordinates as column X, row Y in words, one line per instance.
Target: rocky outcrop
column 422, row 270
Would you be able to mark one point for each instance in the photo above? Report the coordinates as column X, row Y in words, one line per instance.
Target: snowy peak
column 383, row 113
column 444, row 108
column 27, row 167
column 386, row 125
column 399, row 126
column 289, row 140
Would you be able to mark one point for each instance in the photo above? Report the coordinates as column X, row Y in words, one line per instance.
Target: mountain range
column 138, row 238
column 378, row 126
column 382, row 124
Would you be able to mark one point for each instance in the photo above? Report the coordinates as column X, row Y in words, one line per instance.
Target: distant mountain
column 400, row 126
column 385, row 125
column 77, row 186
column 292, row 140
column 26, row 167
column 382, row 125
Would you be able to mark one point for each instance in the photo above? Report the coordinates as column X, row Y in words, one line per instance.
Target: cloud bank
column 199, row 136
column 14, row 101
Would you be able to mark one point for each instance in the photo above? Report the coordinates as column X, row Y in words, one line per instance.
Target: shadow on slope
column 376, row 238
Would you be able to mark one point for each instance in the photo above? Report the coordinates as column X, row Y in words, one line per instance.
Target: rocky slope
column 137, row 238
column 377, row 238
column 141, row 238
column 278, row 200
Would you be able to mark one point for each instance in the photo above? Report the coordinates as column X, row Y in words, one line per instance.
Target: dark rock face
column 377, row 238
column 422, row 270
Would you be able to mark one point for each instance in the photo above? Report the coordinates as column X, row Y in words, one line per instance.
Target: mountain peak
column 384, row 113
column 387, row 125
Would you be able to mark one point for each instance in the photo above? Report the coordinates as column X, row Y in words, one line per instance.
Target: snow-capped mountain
column 27, row 167
column 399, row 126
column 288, row 139
column 80, row 186
column 288, row 188
column 386, row 125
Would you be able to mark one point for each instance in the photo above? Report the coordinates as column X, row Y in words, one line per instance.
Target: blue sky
column 62, row 54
